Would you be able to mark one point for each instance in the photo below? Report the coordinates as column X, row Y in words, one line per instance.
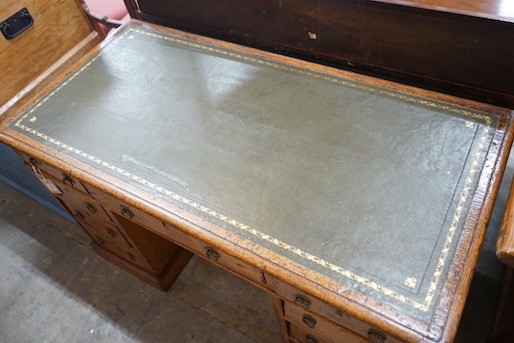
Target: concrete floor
column 54, row 288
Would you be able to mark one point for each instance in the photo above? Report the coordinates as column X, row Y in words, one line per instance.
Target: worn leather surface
column 366, row 186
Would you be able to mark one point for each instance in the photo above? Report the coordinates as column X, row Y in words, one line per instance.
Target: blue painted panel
column 16, row 175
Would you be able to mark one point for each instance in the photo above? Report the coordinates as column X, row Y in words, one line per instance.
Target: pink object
column 114, row 9
column 108, row 9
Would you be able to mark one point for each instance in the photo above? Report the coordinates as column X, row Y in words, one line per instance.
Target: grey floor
column 54, row 288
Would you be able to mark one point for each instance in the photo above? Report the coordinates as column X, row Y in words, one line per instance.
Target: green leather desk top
column 367, row 186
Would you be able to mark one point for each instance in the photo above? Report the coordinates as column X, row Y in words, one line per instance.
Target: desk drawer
column 80, row 205
column 123, row 251
column 224, row 260
column 203, row 249
column 65, row 178
column 106, row 235
column 300, row 300
column 188, row 242
column 129, row 212
column 302, row 335
column 309, row 322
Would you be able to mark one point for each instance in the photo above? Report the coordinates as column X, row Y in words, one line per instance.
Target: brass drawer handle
column 302, row 301
column 33, row 161
column 90, row 208
column 111, row 232
column 132, row 257
column 101, row 241
column 212, row 254
column 67, row 180
column 126, row 212
column 376, row 336
column 309, row 321
column 310, row 339
column 80, row 215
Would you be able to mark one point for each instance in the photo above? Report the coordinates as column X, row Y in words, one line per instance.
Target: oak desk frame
column 278, row 273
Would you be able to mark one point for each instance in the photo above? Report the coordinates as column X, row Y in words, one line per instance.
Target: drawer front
column 126, row 211
column 188, row 242
column 320, row 327
column 123, row 251
column 227, row 262
column 201, row 248
column 81, row 206
column 312, row 304
column 57, row 174
column 302, row 335
column 107, row 233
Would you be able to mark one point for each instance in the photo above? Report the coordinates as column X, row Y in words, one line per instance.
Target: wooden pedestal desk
column 359, row 204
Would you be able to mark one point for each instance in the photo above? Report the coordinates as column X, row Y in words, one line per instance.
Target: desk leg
column 278, row 304
column 503, row 331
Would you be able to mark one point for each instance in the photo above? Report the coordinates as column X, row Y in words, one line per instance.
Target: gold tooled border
column 443, row 256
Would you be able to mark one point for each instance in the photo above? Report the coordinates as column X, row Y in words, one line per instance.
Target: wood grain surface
column 59, row 26
column 281, row 274
column 492, row 9
column 459, row 47
column 505, row 244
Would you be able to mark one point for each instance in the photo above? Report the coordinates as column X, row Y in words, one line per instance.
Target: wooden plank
column 505, row 244
column 463, row 47
column 492, row 9
column 58, row 27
